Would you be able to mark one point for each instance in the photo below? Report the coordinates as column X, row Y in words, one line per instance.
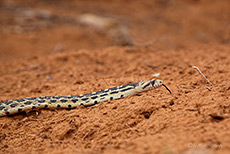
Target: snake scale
column 11, row 107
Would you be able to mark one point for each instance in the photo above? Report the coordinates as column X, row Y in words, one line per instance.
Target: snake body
column 10, row 107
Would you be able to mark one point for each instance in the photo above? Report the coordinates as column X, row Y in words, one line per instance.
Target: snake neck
column 108, row 94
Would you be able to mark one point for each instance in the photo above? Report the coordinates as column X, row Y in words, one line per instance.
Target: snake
column 11, row 107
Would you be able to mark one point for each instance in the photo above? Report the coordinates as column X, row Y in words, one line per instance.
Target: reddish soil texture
column 50, row 54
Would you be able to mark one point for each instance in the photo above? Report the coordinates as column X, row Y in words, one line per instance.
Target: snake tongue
column 167, row 88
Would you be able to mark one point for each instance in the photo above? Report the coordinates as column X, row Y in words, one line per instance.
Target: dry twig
column 202, row 74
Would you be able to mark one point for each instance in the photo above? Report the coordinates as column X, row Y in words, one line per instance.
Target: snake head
column 151, row 84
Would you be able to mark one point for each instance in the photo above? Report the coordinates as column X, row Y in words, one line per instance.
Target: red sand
column 58, row 58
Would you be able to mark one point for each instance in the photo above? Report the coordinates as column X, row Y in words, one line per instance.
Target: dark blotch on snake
column 46, row 106
column 114, row 88
column 103, row 95
column 111, row 98
column 19, row 110
column 80, row 96
column 81, row 103
column 69, row 106
column 64, row 100
column 58, row 105
column 32, row 98
column 84, row 99
column 45, row 97
column 114, row 92
column 2, row 107
column 74, row 100
column 28, row 103
column 126, row 89
column 13, row 105
column 147, row 85
column 7, row 113
column 56, row 97
column 8, row 102
column 94, row 97
column 20, row 100
column 33, row 107
column 121, row 96
column 53, row 101
column 68, row 97
column 95, row 102
column 41, row 101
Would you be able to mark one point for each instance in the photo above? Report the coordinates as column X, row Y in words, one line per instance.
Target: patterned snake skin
column 10, row 107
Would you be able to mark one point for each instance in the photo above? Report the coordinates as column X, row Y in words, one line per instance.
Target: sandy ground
column 45, row 51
